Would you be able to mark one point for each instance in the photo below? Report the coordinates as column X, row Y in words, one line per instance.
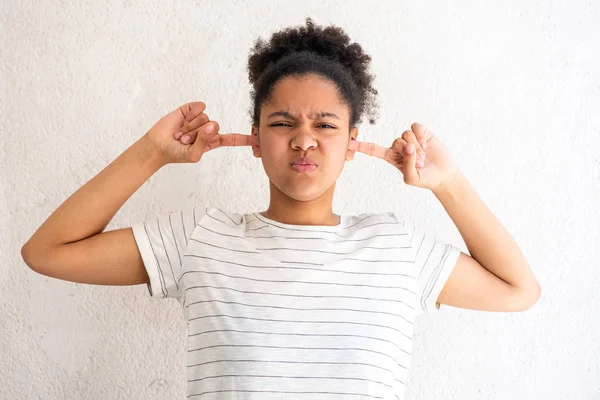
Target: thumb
column 411, row 175
column 206, row 137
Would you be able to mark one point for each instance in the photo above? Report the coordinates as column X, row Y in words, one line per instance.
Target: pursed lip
column 304, row 161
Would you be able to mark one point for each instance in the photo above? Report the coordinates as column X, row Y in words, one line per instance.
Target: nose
column 303, row 139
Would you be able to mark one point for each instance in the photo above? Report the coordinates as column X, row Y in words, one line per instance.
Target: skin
column 303, row 198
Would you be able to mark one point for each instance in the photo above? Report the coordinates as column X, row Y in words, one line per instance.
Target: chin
column 301, row 192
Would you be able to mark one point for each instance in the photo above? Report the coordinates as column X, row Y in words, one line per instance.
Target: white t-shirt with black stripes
column 279, row 311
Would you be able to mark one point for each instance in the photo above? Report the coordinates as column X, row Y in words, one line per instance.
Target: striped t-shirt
column 280, row 311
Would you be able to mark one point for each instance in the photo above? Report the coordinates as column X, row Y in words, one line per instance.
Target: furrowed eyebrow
column 323, row 115
column 317, row 115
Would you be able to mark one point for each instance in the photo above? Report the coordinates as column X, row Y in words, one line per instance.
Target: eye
column 330, row 126
column 280, row 124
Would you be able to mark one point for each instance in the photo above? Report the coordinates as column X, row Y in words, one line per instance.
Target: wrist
column 454, row 180
column 149, row 153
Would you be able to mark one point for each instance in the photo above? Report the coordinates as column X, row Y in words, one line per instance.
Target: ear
column 256, row 149
column 353, row 135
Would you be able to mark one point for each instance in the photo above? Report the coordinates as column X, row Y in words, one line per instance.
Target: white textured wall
column 512, row 88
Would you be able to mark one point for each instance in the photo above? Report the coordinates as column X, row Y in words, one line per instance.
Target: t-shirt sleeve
column 434, row 261
column 162, row 242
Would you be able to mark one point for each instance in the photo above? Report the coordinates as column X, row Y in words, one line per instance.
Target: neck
column 286, row 210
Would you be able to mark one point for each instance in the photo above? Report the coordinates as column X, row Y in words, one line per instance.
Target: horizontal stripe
column 295, row 295
column 303, row 237
column 287, row 377
column 299, row 322
column 301, row 334
column 281, row 391
column 287, row 268
column 297, row 362
column 296, row 348
column 300, row 309
column 302, row 282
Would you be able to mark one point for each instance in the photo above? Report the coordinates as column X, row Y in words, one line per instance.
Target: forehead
column 306, row 95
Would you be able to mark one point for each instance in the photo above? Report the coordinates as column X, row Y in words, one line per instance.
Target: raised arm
column 71, row 244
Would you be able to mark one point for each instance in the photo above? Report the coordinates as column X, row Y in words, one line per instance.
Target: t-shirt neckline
column 324, row 228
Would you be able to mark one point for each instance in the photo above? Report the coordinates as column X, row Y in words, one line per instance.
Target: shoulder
column 225, row 216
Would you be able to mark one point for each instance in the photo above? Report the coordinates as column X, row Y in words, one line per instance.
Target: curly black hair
column 326, row 51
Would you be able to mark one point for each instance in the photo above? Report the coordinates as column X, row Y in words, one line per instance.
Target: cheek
column 273, row 152
column 335, row 149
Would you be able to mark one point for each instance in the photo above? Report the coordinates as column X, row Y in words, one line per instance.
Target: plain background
column 512, row 88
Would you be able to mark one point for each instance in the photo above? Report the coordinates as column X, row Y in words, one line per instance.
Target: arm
column 496, row 276
column 70, row 244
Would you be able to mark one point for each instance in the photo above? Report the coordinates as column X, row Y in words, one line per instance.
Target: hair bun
column 331, row 42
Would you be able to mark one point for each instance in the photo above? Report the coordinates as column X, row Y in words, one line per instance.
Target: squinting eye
column 285, row 124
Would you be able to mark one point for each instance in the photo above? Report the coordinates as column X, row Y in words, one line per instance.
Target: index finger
column 237, row 139
column 192, row 110
column 371, row 149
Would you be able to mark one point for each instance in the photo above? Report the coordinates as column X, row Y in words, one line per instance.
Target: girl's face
column 304, row 118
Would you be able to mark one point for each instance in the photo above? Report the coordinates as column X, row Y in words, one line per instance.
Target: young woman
column 294, row 301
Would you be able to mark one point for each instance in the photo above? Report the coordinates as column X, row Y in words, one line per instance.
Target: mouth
column 304, row 168
column 304, row 164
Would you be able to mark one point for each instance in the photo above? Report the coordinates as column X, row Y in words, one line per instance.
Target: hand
column 423, row 160
column 189, row 121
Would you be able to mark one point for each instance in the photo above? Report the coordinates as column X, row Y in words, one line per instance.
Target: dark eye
column 279, row 124
column 330, row 126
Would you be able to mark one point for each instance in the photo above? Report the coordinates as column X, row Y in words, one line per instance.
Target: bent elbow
column 26, row 256
column 530, row 297
column 31, row 259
